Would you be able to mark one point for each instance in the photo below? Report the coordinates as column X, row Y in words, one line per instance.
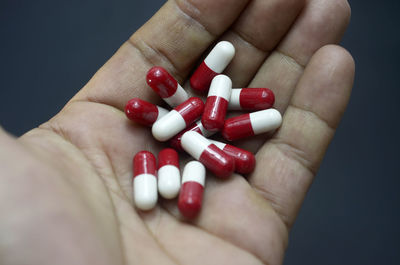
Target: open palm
column 68, row 198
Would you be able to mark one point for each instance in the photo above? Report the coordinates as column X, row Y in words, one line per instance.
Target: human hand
column 67, row 199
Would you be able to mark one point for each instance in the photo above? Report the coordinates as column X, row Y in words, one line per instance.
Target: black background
column 50, row 49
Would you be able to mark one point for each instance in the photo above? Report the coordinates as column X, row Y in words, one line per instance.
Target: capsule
column 169, row 177
column 191, row 195
column 166, row 86
column 216, row 61
column 198, row 127
column 177, row 119
column 250, row 124
column 244, row 160
column 213, row 158
column 213, row 117
column 143, row 112
column 251, row 99
column 144, row 180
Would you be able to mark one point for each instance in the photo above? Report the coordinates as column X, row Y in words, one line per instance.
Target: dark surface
column 50, row 49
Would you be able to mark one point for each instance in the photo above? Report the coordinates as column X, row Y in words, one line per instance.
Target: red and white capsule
column 191, row 195
column 198, row 127
column 166, row 86
column 213, row 158
column 244, row 160
column 213, row 117
column 215, row 63
column 144, row 180
column 251, row 99
column 251, row 124
column 143, row 112
column 169, row 177
column 177, row 119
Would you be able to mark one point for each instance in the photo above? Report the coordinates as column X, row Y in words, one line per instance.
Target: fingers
column 321, row 22
column 256, row 32
column 281, row 70
column 174, row 38
column 291, row 158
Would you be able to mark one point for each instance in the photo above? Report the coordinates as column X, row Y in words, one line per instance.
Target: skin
column 66, row 186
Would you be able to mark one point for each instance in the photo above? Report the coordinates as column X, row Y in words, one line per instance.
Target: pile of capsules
column 187, row 127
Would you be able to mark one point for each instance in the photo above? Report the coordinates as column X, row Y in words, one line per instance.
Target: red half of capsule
column 161, row 81
column 217, row 161
column 244, row 160
column 175, row 142
column 190, row 199
column 168, row 156
column 202, row 77
column 213, row 118
column 237, row 127
column 191, row 109
column 256, row 98
column 144, row 162
column 141, row 111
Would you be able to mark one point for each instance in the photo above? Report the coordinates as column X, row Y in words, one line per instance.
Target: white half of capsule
column 168, row 126
column 194, row 143
column 265, row 120
column 220, row 56
column 221, row 86
column 194, row 171
column 220, row 145
column 179, row 97
column 145, row 192
column 161, row 112
column 203, row 130
column 169, row 181
column 234, row 101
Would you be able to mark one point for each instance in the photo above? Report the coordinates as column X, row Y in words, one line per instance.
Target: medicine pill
column 143, row 112
column 213, row 158
column 178, row 119
column 191, row 195
column 169, row 177
column 251, row 99
column 214, row 64
column 251, row 124
column 244, row 160
column 144, row 180
column 216, row 105
column 198, row 127
column 166, row 86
